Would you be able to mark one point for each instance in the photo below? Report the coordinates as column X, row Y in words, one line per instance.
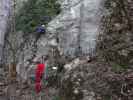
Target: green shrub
column 56, row 98
column 32, row 14
column 118, row 68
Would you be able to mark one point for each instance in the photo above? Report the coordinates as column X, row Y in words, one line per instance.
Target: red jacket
column 39, row 73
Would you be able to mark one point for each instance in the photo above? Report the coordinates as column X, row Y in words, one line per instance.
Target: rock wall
column 4, row 14
column 73, row 32
column 77, row 26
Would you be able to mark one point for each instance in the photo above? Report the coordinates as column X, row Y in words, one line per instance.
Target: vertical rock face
column 4, row 14
column 77, row 26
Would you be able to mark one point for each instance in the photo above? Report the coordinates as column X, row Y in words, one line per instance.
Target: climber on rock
column 40, row 71
column 41, row 29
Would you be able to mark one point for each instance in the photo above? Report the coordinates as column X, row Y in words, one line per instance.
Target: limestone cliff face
column 73, row 32
column 4, row 14
column 77, row 26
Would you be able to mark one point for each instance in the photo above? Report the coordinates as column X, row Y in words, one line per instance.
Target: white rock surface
column 4, row 14
column 72, row 65
column 77, row 25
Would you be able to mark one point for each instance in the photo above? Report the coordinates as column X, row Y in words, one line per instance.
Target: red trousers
column 39, row 72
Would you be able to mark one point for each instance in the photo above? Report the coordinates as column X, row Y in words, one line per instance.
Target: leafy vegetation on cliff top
column 36, row 12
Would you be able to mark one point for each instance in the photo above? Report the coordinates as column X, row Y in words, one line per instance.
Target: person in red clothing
column 39, row 74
